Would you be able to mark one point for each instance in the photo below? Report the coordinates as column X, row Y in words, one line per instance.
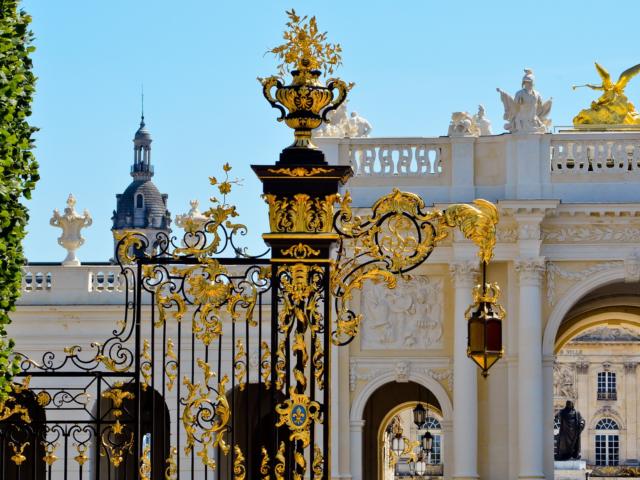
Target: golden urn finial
column 613, row 107
column 306, row 54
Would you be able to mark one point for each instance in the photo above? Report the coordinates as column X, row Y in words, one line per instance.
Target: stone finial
column 193, row 220
column 71, row 224
column 526, row 112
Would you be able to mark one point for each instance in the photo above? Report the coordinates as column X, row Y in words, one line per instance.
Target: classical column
column 465, row 378
column 356, row 427
column 630, row 396
column 530, row 380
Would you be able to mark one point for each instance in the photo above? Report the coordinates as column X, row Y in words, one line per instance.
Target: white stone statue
column 358, row 127
column 341, row 125
column 482, row 122
column 71, row 224
column 526, row 112
column 463, row 125
column 192, row 220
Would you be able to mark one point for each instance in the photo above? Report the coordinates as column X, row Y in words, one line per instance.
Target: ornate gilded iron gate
column 220, row 367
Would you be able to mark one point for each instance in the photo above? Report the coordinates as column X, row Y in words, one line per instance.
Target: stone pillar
column 462, row 169
column 356, row 427
column 530, row 380
column 465, row 378
column 547, row 374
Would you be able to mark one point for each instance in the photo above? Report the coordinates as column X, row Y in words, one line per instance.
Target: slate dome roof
column 155, row 205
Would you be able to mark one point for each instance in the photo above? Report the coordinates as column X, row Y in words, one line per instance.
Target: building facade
column 567, row 259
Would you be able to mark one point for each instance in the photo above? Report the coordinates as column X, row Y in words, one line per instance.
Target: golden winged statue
column 613, row 107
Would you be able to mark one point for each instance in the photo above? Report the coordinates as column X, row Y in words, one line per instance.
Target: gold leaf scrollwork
column 116, row 453
column 300, row 171
column 171, row 365
column 281, row 365
column 318, row 463
column 171, row 470
column 301, row 250
column 49, row 453
column 281, row 462
column 239, row 365
column 18, row 456
column 265, row 365
column 318, row 362
column 301, row 213
column 218, row 413
column 145, row 463
column 478, row 224
column 81, row 457
column 128, row 242
column 239, row 469
column 145, row 366
column 264, row 464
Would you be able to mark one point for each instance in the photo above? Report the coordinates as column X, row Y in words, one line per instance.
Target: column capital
column 530, row 270
column 630, row 367
column 464, row 273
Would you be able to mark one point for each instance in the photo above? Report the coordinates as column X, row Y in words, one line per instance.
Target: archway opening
column 389, row 407
column 597, row 350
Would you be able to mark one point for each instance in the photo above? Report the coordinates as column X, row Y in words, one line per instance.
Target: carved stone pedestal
column 570, row 470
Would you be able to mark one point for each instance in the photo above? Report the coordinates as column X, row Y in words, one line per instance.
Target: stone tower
column 142, row 207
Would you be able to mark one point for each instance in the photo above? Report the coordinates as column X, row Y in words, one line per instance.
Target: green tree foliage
column 18, row 168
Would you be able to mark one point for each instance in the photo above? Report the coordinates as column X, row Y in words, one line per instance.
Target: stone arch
column 571, row 297
column 359, row 403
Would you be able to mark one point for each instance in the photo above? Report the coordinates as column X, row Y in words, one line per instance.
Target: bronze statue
column 571, row 426
column 613, row 107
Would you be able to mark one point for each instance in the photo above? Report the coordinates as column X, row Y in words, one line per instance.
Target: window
column 607, row 386
column 433, row 425
column 139, row 201
column 607, row 442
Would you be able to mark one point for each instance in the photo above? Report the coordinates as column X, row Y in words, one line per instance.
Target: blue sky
column 414, row 62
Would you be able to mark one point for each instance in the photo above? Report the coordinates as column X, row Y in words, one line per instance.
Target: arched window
column 139, row 201
column 607, row 386
column 607, row 442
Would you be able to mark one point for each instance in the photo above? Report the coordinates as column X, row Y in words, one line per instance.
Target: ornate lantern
column 420, row 467
column 426, row 443
column 419, row 415
column 396, row 438
column 484, row 342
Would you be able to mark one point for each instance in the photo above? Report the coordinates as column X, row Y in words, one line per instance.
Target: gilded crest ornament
column 297, row 412
column 613, row 107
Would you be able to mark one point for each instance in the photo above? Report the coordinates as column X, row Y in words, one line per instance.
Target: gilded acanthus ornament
column 305, row 103
column 613, row 107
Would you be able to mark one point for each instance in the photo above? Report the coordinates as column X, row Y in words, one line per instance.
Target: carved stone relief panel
column 564, row 381
column 407, row 317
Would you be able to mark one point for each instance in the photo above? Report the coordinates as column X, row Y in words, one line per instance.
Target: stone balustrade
column 595, row 154
column 570, row 166
column 51, row 284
